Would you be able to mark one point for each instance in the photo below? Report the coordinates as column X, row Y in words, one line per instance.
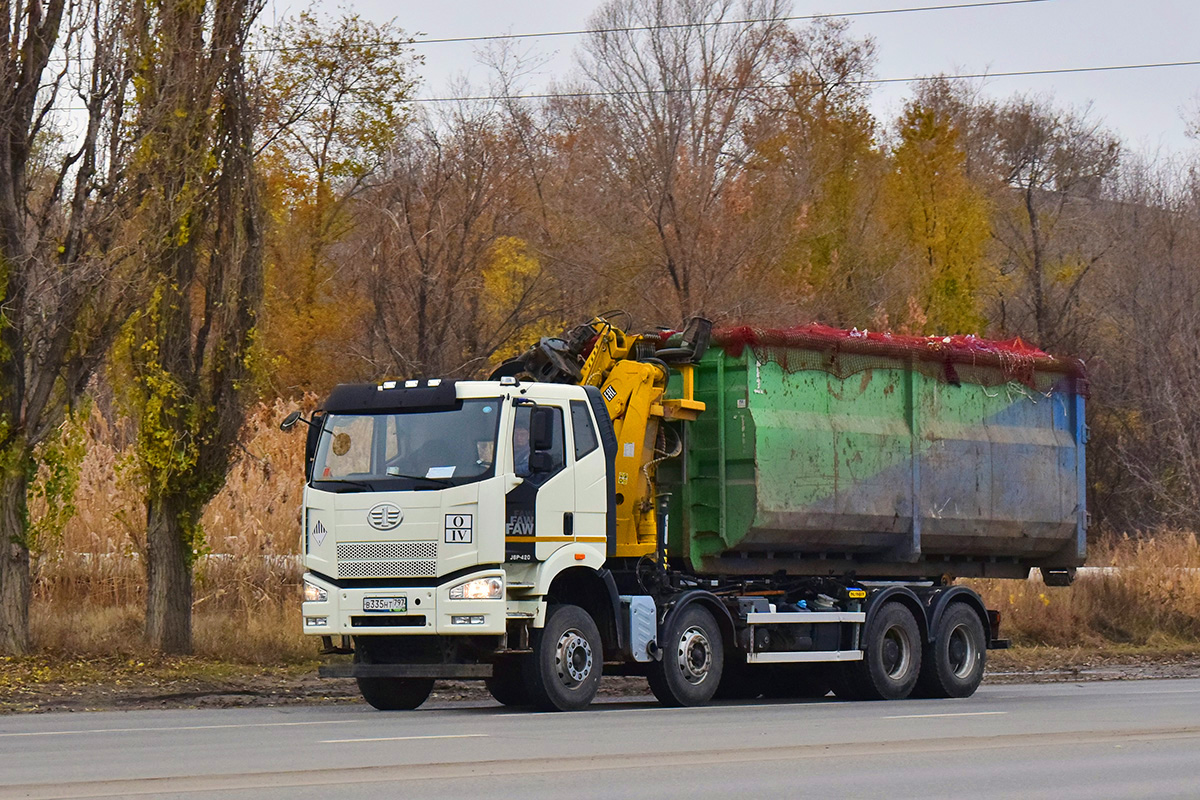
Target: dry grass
column 89, row 591
column 90, row 586
column 1147, row 594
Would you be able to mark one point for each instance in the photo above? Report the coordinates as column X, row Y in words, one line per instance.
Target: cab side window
column 521, row 446
column 585, row 432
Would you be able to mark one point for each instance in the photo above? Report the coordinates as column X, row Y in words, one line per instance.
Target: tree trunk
column 169, row 578
column 14, row 566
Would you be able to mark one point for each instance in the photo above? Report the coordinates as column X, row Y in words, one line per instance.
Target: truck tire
column 568, row 658
column 395, row 694
column 795, row 681
column 692, row 661
column 891, row 657
column 953, row 663
column 508, row 682
column 388, row 694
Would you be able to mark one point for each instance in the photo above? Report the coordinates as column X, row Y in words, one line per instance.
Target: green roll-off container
column 823, row 452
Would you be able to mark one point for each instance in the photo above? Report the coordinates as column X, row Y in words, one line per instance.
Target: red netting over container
column 954, row 359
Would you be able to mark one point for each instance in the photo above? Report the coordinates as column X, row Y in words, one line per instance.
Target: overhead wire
column 415, row 42
column 667, row 26
column 811, row 84
column 600, row 93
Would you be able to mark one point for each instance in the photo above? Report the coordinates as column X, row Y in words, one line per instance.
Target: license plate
column 385, row 604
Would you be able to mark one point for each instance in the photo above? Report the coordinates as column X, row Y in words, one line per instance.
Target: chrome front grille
column 387, row 559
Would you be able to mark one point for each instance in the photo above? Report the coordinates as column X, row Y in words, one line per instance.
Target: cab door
column 539, row 511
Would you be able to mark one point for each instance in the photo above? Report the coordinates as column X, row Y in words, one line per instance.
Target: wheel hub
column 961, row 652
column 896, row 653
column 572, row 658
column 694, row 655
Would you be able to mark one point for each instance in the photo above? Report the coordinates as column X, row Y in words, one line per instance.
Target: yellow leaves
column 943, row 219
column 509, row 272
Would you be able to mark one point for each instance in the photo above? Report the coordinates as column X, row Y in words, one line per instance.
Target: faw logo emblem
column 384, row 516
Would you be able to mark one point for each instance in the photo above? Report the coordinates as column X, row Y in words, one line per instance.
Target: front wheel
column 395, row 694
column 388, row 694
column 568, row 658
column 508, row 683
column 693, row 658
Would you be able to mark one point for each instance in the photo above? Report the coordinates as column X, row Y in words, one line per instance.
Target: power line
column 714, row 23
column 630, row 29
column 792, row 85
column 807, row 84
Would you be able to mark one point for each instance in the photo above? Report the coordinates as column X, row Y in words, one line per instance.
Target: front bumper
column 428, row 610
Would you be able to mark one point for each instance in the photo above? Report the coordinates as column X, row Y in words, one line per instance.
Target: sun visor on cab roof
column 392, row 396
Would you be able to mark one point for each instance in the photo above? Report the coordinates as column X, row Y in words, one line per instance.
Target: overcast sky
column 1145, row 106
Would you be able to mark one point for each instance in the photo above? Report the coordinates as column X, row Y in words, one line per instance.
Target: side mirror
column 541, row 429
column 311, row 442
column 290, row 420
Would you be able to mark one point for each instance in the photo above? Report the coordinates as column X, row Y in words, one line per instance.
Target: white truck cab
column 447, row 508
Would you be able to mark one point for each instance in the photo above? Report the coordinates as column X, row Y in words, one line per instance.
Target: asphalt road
column 1091, row 740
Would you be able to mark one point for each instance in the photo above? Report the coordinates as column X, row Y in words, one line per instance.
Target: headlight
column 479, row 589
column 314, row 593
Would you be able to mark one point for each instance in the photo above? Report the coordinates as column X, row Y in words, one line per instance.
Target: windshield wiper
column 360, row 485
column 439, row 481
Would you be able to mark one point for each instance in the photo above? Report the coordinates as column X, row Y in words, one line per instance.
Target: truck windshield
column 390, row 451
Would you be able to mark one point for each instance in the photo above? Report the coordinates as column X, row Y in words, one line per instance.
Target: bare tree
column 65, row 285
column 1057, row 162
column 444, row 296
column 1146, row 471
column 678, row 100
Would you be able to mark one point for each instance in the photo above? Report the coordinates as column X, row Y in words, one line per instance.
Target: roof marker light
column 387, row 385
column 435, row 381
column 411, row 384
column 508, row 380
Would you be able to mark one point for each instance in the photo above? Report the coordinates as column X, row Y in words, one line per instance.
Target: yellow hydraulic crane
column 632, row 372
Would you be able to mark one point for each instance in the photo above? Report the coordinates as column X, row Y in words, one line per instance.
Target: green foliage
column 173, row 424
column 59, row 459
column 169, row 422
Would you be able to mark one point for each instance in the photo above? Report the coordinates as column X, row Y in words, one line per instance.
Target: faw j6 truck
column 730, row 514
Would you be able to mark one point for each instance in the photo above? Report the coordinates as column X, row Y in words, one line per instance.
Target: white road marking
column 959, row 714
column 407, row 738
column 182, row 728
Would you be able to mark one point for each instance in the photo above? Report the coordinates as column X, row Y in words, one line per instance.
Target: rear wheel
column 692, row 662
column 891, row 657
column 568, row 657
column 954, row 661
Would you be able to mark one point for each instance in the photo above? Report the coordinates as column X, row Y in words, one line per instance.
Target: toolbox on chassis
column 780, row 513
